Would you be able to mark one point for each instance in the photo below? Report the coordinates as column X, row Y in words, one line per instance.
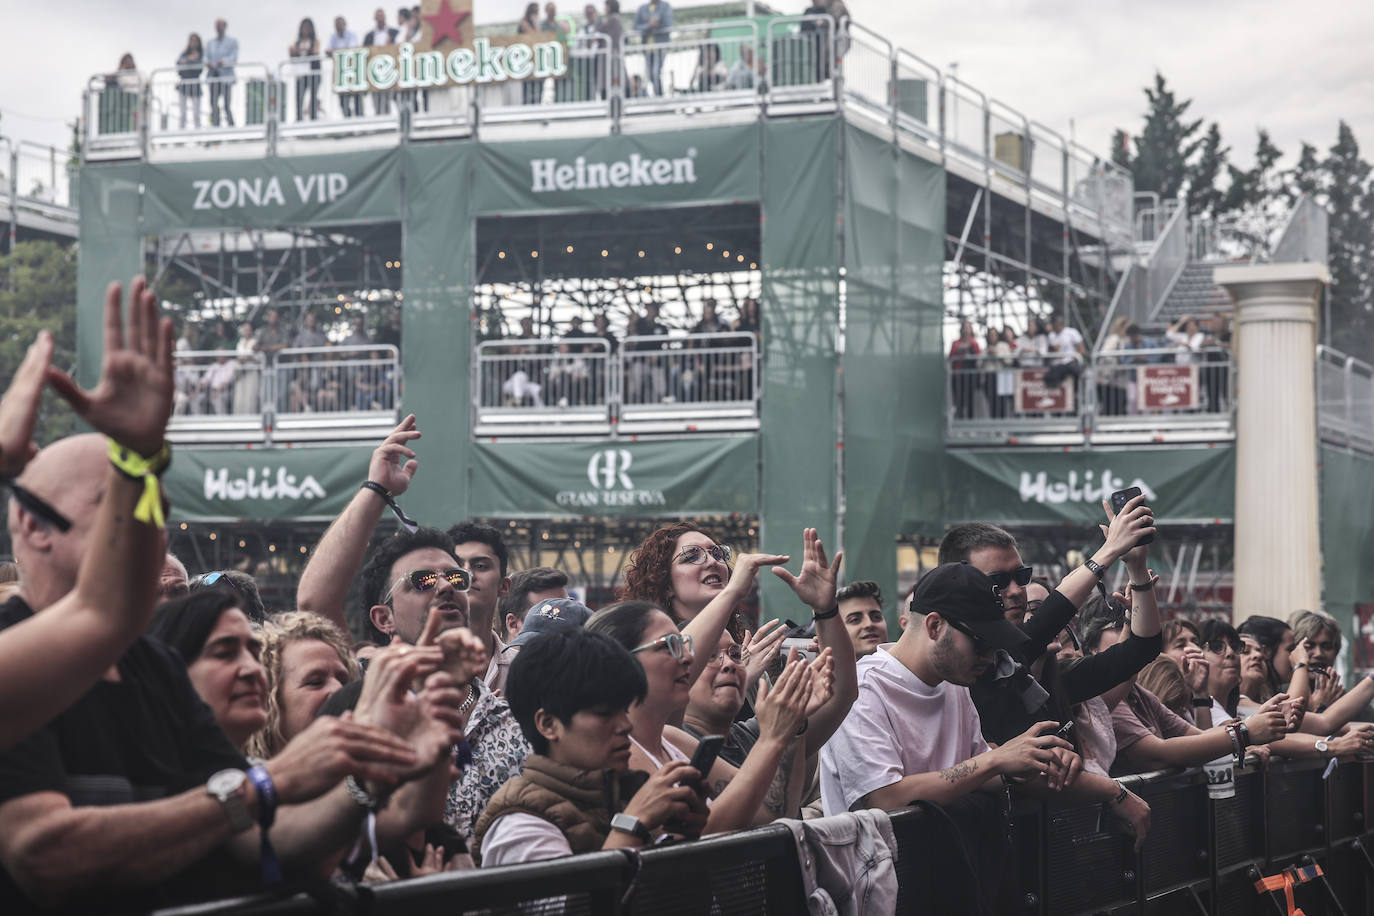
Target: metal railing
column 1206, row 848
column 1147, row 282
column 1345, row 400
column 1132, row 391
column 795, row 64
column 304, row 394
column 593, row 386
column 221, row 107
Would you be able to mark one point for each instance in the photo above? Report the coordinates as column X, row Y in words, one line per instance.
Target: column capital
column 1268, row 283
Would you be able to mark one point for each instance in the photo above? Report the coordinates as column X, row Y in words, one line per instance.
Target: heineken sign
column 631, row 172
column 445, row 53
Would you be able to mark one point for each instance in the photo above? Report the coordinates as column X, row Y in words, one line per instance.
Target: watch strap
column 628, row 823
column 231, row 801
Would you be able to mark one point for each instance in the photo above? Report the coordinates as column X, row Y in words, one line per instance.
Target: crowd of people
column 223, row 369
column 566, row 367
column 982, row 368
column 166, row 738
column 595, row 52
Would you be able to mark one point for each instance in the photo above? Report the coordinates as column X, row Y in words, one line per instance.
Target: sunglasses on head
column 697, row 555
column 422, row 580
column 1021, row 576
column 675, row 643
column 212, row 579
column 37, row 505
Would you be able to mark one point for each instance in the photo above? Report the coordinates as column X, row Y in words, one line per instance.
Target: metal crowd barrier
column 1118, row 393
column 1345, row 400
column 1203, row 855
column 305, row 394
column 582, row 386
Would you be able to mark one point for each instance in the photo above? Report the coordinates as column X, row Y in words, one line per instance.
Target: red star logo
column 445, row 24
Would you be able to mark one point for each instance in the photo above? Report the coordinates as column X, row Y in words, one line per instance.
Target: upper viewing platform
column 724, row 69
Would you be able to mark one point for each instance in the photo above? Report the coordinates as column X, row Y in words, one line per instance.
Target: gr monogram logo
column 608, row 467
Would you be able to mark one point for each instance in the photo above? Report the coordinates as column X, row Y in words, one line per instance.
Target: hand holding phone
column 708, row 749
column 1119, row 500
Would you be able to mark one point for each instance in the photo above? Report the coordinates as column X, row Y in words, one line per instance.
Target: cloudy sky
column 1294, row 68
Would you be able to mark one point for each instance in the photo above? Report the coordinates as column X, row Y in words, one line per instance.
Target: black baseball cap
column 961, row 594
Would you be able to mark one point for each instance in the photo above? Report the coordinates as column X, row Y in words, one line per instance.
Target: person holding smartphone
column 571, row 691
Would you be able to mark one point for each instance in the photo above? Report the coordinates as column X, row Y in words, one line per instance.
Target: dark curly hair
column 649, row 570
column 377, row 570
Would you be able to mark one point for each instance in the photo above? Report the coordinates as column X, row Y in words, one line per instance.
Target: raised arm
column 51, row 659
column 816, row 589
column 706, row 627
column 1134, row 521
column 339, row 554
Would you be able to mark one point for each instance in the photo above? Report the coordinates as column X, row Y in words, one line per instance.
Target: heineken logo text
column 636, row 171
column 361, row 70
column 284, row 485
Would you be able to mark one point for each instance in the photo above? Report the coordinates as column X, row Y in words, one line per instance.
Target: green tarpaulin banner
column 306, row 484
column 276, row 191
column 1030, row 487
column 626, row 170
column 715, row 476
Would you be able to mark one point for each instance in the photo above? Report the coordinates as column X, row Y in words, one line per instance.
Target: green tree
column 1305, row 177
column 37, row 291
column 1350, row 200
column 1204, row 198
column 1167, row 143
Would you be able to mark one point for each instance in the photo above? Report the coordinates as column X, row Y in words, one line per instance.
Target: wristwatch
column 228, row 788
column 628, row 823
column 1323, row 745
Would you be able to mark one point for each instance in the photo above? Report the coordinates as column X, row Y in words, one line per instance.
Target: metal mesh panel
column 1176, row 849
column 1236, row 894
column 1088, row 866
column 667, row 888
column 1345, row 789
column 1346, row 871
column 1296, row 811
column 1237, row 820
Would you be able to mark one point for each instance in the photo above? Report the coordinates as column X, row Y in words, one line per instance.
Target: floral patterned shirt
column 498, row 754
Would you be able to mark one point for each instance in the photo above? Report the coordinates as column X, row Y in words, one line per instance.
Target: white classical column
column 1278, row 546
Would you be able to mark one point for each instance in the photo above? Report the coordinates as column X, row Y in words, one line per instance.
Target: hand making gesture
column 816, row 584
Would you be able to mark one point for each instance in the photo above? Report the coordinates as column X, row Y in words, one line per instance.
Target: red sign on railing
column 1034, row 394
column 1167, row 387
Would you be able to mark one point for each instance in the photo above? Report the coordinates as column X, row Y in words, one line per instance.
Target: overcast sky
column 1294, row 68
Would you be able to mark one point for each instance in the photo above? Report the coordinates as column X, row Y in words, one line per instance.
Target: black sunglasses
column 980, row 645
column 1021, row 576
column 37, row 505
column 1219, row 645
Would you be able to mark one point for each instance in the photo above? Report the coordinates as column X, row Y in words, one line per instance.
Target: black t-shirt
column 149, row 736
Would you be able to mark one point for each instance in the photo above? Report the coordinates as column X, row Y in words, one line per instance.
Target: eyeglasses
column 1021, row 576
column 732, row 652
column 1219, row 645
column 422, row 580
column 697, row 555
column 37, row 505
column 980, row 645
column 676, row 643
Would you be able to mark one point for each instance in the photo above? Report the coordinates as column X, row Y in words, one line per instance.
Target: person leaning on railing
column 571, row 691
column 190, row 63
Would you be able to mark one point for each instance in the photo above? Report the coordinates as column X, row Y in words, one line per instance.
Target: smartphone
column 1064, row 730
column 802, row 644
column 1119, row 500
column 708, row 749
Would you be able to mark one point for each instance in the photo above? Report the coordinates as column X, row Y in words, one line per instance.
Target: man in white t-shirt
column 1066, row 344
column 914, row 732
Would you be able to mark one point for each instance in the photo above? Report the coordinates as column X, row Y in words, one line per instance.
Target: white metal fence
column 1345, row 400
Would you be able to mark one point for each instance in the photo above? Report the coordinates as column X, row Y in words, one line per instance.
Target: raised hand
column 1269, row 722
column 1195, row 669
column 782, row 709
column 386, row 699
column 393, row 464
column 1124, row 531
column 760, row 648
column 1328, row 688
column 823, row 685
column 816, row 584
column 464, row 656
column 19, row 407
column 133, row 399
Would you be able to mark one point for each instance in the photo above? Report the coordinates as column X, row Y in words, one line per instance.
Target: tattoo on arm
column 959, row 771
column 717, row 787
column 775, row 801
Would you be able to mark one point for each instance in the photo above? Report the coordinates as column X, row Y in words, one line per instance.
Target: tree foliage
column 1349, row 197
column 1165, row 146
column 37, row 291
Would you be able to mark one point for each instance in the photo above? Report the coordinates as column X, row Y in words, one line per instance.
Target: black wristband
column 408, row 523
column 827, row 615
column 1143, row 588
column 1120, row 796
column 1097, row 569
column 1202, row 702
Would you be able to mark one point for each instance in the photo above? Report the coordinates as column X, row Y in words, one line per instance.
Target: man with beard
column 861, row 609
column 914, row 735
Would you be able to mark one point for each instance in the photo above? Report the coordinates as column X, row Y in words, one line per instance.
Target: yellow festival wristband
column 136, row 467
